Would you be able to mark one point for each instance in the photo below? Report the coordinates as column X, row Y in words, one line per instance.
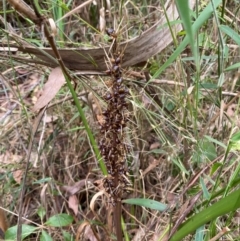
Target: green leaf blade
column 11, row 233
column 147, row 203
column 59, row 220
column 224, row 206
column 45, row 236
column 231, row 33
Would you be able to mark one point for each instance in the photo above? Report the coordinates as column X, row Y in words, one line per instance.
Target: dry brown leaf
column 190, row 90
column 43, row 195
column 100, row 119
column 80, row 230
column 55, row 81
column 73, row 204
column 139, row 234
column 95, row 197
column 156, row 235
column 76, row 187
column 89, row 235
column 17, row 176
column 151, row 166
column 231, row 110
column 9, row 158
column 155, row 145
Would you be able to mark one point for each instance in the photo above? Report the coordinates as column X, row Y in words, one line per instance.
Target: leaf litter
column 54, row 83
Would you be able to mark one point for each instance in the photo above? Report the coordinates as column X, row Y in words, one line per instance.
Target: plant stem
column 117, row 219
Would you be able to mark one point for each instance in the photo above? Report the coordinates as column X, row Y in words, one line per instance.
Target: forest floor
column 181, row 136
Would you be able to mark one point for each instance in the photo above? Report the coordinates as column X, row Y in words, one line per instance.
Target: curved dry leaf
column 80, row 230
column 93, row 200
column 73, row 204
column 190, row 89
column 89, row 234
column 55, row 81
column 85, row 232
column 90, row 60
column 53, row 27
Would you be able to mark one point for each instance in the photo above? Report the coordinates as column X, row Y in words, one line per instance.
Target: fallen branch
column 92, row 60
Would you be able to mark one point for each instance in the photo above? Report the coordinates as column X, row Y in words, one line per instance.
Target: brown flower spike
column 112, row 146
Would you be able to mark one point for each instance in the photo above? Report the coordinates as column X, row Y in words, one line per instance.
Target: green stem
column 74, row 95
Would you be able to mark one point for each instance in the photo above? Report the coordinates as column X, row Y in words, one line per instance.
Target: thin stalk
column 74, row 95
column 117, row 220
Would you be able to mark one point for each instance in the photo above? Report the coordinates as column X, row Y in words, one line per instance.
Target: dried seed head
column 112, row 147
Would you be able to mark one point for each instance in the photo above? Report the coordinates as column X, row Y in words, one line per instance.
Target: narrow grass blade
column 215, row 141
column 233, row 67
column 231, row 33
column 205, row 14
column 184, row 12
column 124, row 228
column 224, row 206
column 147, row 203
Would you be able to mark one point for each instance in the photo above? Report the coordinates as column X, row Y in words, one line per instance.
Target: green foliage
column 235, row 142
column 41, row 212
column 147, row 203
column 233, row 67
column 205, row 151
column 206, row 194
column 221, row 207
column 11, row 233
column 200, row 234
column 45, row 236
column 184, row 12
column 231, row 33
column 204, row 16
column 67, row 236
column 59, row 220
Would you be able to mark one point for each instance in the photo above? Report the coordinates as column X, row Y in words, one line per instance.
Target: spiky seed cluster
column 112, row 145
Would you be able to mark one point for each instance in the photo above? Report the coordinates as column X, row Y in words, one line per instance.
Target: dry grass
column 170, row 159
